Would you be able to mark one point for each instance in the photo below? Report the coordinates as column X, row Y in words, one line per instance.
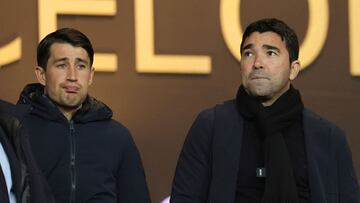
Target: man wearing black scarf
column 264, row 146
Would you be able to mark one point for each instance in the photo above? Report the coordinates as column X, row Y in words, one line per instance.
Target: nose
column 258, row 63
column 71, row 74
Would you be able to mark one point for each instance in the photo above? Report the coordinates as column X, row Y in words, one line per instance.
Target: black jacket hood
column 44, row 107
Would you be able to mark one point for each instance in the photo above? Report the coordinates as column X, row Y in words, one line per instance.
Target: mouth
column 71, row 89
column 259, row 78
column 258, row 75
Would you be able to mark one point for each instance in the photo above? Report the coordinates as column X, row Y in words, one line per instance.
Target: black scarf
column 280, row 185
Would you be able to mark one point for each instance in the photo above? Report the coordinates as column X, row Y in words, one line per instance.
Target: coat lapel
column 226, row 153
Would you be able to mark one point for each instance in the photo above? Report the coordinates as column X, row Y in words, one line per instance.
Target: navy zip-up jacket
column 90, row 158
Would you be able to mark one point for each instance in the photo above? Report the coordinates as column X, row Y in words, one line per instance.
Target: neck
column 69, row 112
column 272, row 100
column 268, row 102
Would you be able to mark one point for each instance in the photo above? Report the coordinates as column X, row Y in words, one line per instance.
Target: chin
column 259, row 92
column 71, row 104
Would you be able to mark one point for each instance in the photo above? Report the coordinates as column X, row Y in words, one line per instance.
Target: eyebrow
column 249, row 46
column 82, row 60
column 60, row 59
column 77, row 60
column 271, row 47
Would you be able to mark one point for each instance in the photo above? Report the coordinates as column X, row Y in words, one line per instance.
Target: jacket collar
column 42, row 106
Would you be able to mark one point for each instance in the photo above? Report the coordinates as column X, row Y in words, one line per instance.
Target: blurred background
column 160, row 62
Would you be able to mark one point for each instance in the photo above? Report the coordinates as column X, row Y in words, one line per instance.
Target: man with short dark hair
column 85, row 155
column 20, row 179
column 264, row 146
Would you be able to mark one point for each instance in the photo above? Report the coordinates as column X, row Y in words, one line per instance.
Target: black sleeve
column 131, row 179
column 193, row 171
column 348, row 184
column 37, row 188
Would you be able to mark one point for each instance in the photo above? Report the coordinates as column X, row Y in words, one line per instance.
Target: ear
column 91, row 78
column 40, row 75
column 294, row 69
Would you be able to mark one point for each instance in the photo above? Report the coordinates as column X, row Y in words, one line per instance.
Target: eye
column 81, row 66
column 61, row 65
column 272, row 53
column 247, row 53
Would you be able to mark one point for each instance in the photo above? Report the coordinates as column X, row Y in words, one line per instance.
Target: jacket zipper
column 72, row 162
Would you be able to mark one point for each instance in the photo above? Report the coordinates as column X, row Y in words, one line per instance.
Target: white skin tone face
column 265, row 68
column 67, row 77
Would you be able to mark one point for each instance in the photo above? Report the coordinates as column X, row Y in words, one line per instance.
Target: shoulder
column 17, row 112
column 119, row 127
column 223, row 109
column 207, row 120
column 115, row 130
column 321, row 127
column 11, row 114
column 4, row 105
column 315, row 119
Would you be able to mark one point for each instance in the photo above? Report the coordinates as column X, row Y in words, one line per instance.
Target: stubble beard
column 71, row 102
column 260, row 92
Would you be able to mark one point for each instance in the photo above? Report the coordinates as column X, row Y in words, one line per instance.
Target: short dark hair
column 63, row 35
column 280, row 28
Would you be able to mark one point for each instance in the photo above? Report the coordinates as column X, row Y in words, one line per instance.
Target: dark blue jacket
column 208, row 165
column 28, row 183
column 90, row 158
